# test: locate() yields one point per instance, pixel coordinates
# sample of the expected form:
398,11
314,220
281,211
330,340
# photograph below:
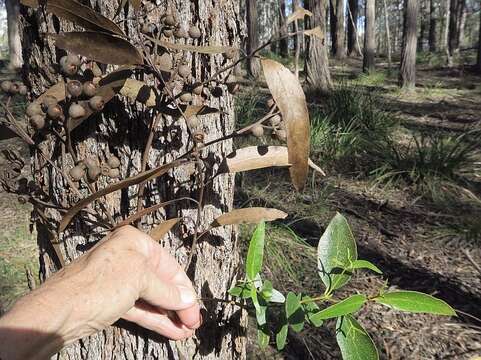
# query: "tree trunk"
253,63
340,30
14,44
333,25
478,65
297,40
407,73
388,37
317,61
447,26
352,36
122,130
461,23
369,37
283,43
432,26
422,30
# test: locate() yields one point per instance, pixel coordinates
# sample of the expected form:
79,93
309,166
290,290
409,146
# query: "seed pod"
275,120
164,62
73,59
89,89
5,86
104,170
199,136
169,20
194,32
197,89
186,97
97,103
93,173
77,172
192,122
22,199
76,111
22,90
230,54
281,134
233,87
168,32
14,88
217,92
270,103
114,173
147,28
34,109
49,100
37,122
184,70
54,111
113,162
74,88
90,162
181,33
257,131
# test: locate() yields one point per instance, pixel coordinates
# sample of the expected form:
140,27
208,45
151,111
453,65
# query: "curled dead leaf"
289,97
298,14
214,49
139,91
317,32
57,91
252,215
159,231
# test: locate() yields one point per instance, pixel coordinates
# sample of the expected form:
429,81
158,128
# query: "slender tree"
284,42
340,30
422,28
317,62
478,65
125,131
388,36
352,35
333,25
14,44
369,37
252,41
407,73
432,26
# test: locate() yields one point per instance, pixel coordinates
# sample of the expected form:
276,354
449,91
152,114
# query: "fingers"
156,320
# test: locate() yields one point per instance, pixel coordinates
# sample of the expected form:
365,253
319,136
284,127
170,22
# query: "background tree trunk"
368,64
297,40
422,21
432,26
317,61
352,36
123,133
253,63
388,36
14,43
333,25
447,26
283,43
407,73
340,30
479,46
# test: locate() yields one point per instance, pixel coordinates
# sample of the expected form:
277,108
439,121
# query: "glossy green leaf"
261,307
266,290
263,337
243,291
311,308
354,342
277,297
344,307
281,337
415,302
364,264
335,252
255,253
294,311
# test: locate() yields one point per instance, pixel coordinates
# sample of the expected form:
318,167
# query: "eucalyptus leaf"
243,291
344,307
277,297
354,342
364,264
263,337
415,302
281,337
335,252
255,253
294,311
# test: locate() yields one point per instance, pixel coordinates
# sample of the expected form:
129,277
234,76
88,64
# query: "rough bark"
317,62
297,40
478,64
432,26
333,25
14,43
456,24
123,131
407,73
352,36
268,21
253,63
447,19
388,36
369,37
284,42
422,28
340,47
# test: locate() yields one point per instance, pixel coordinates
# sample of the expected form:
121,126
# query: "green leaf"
335,252
261,307
364,264
354,342
281,337
277,297
255,252
263,336
266,291
294,311
243,291
415,302
344,307
311,308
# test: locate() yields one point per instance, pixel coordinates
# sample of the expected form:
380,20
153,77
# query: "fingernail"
187,295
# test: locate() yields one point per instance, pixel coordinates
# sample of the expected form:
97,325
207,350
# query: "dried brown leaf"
83,16
298,14
159,231
140,214
289,97
188,110
57,91
140,91
214,49
134,180
30,3
317,32
101,47
252,215
254,157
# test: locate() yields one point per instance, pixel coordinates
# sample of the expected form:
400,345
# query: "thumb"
167,295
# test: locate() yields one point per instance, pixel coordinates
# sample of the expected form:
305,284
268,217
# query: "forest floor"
426,243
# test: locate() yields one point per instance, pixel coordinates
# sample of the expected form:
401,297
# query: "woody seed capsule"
113,162
76,111
89,89
54,111
74,88
194,32
257,131
37,122
77,172
97,103
34,109
184,71
5,85
169,20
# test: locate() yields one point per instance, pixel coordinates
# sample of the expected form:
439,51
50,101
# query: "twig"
471,260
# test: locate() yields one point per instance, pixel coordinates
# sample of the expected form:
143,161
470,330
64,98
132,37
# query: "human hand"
126,275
